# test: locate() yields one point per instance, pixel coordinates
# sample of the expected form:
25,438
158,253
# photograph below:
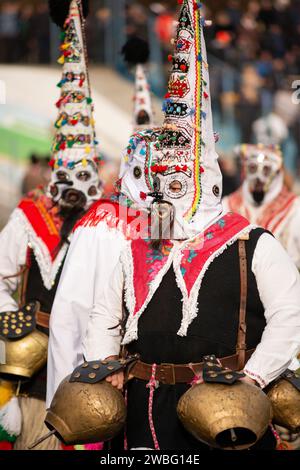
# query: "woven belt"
179,373
42,319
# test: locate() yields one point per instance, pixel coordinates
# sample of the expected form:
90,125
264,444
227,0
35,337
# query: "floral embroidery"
221,223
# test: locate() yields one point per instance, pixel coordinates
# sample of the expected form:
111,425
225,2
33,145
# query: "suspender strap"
241,346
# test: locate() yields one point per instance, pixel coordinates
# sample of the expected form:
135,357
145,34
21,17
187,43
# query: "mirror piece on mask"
137,172
216,190
176,186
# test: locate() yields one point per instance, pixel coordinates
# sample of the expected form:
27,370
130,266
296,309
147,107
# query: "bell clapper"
18,388
42,439
233,435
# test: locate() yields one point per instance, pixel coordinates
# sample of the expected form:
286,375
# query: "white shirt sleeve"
293,235
103,337
91,259
278,284
13,244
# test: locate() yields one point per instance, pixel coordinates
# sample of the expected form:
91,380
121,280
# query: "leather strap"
241,346
178,373
42,319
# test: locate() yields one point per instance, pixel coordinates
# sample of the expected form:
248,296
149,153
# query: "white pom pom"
11,417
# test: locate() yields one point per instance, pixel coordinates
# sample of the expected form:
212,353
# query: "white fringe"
48,268
11,417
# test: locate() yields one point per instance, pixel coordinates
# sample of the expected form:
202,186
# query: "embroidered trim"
190,302
130,299
256,377
48,268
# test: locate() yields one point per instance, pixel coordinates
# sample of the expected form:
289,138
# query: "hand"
248,380
117,379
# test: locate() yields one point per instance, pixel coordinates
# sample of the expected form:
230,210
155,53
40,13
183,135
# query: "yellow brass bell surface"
84,413
225,416
24,357
285,400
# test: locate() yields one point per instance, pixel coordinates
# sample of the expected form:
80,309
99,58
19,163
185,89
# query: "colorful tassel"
6,437
11,418
61,59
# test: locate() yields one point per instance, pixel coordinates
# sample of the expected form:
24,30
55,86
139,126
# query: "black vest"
214,330
35,289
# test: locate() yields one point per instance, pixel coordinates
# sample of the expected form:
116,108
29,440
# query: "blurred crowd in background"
254,49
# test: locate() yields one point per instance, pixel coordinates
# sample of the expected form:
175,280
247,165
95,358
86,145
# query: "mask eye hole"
175,186
267,170
92,191
83,175
62,176
252,168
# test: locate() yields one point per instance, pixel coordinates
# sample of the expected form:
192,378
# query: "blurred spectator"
38,173
164,27
136,21
41,28
249,105
9,31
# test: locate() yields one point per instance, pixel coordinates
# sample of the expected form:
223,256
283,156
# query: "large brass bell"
25,347
225,416
83,413
26,356
285,400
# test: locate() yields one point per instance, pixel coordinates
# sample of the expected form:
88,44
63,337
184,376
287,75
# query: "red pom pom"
183,67
5,445
143,196
205,95
201,169
52,163
167,95
170,57
180,2
74,122
62,146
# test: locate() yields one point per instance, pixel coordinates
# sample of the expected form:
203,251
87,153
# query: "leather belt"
42,319
179,373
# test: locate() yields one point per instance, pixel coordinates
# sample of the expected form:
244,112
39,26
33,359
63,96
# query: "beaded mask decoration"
181,160
75,154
